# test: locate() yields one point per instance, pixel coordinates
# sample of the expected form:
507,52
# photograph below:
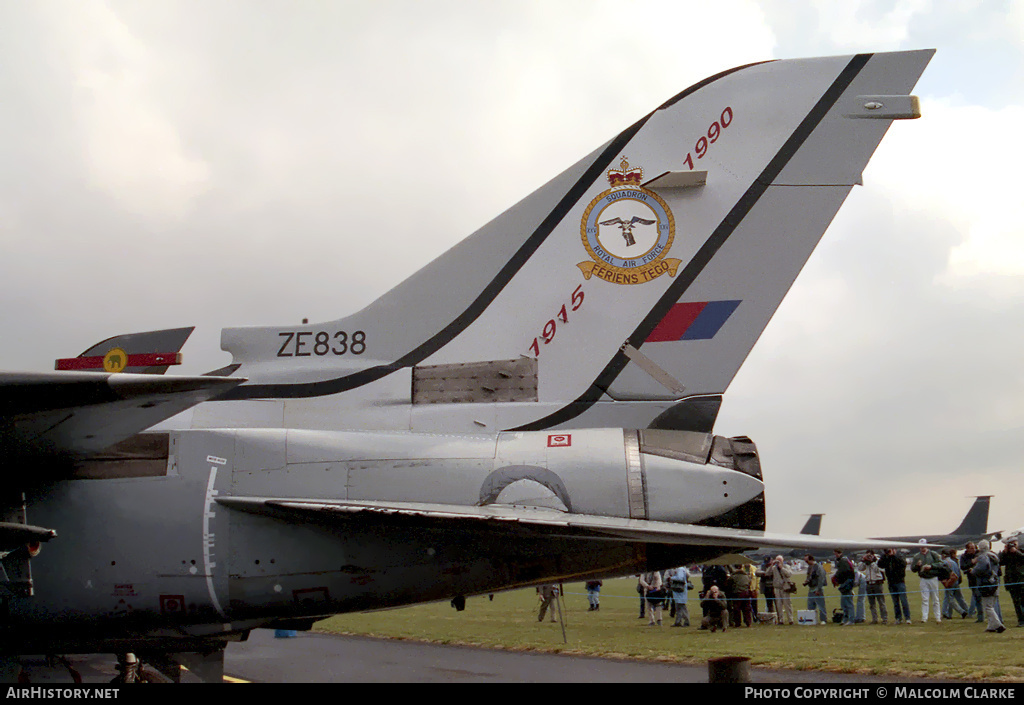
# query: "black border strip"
704,256
489,293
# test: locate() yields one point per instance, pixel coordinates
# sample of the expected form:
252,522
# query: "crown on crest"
625,174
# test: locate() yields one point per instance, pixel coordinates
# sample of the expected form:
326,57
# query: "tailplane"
149,353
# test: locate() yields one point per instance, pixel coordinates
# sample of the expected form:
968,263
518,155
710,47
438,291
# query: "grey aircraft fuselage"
207,561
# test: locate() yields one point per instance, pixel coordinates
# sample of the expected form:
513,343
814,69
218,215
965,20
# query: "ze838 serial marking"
309,343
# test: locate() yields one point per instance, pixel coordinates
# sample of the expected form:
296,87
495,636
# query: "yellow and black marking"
116,360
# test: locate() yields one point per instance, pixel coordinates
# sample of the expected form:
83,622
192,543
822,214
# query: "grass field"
956,648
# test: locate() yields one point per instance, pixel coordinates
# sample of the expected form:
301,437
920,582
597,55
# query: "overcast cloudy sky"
236,163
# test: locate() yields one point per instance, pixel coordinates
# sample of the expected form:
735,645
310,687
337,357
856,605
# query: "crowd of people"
730,595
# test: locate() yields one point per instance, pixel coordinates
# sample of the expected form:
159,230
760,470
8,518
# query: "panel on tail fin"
622,251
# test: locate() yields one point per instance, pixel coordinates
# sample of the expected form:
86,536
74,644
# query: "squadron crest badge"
628,230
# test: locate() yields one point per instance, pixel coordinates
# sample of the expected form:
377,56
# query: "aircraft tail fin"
632,286
976,520
149,353
813,525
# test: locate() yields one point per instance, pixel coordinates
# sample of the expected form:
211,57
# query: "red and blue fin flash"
698,320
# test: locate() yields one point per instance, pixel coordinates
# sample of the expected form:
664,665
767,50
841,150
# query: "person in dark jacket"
815,583
895,568
1012,561
716,614
844,579
712,576
966,563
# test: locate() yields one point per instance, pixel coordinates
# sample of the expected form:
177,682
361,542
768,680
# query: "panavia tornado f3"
535,405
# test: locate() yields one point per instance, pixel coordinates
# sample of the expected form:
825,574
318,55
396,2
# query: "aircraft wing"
1015,535
75,414
550,522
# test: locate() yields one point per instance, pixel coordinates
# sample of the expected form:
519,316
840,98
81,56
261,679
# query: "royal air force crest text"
627,231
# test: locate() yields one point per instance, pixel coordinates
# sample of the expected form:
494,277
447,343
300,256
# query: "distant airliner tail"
813,525
976,521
